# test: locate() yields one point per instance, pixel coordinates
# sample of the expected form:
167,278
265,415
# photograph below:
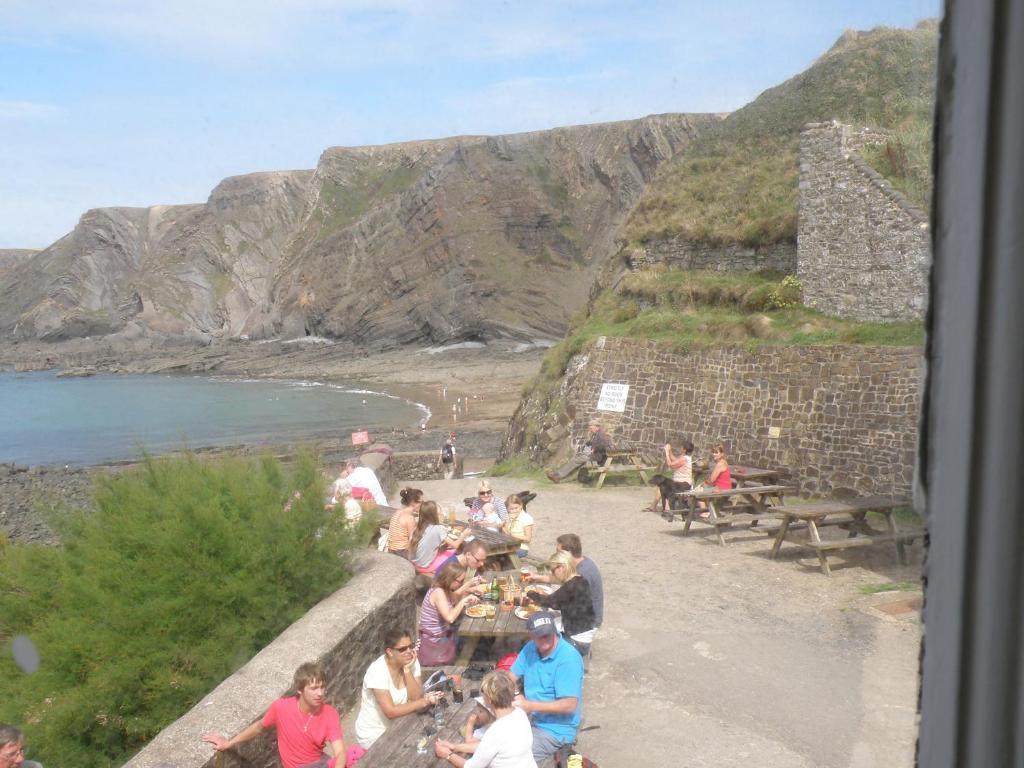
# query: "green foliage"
186,569
517,466
905,160
737,182
787,294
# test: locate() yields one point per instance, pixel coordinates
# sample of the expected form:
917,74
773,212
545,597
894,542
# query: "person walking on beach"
447,459
305,724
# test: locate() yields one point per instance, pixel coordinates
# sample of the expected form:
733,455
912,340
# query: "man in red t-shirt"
305,723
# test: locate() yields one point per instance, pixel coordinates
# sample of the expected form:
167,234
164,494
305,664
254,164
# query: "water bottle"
439,715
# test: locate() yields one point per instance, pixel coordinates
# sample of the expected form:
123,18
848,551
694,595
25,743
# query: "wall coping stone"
244,696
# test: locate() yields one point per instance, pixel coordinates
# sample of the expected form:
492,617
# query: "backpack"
447,454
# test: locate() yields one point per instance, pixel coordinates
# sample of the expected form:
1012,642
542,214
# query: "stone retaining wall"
344,631
421,465
679,253
864,250
844,419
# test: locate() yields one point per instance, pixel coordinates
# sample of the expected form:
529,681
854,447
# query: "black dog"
526,497
668,489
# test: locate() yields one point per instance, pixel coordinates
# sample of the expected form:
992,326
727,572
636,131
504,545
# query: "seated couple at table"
527,728
573,598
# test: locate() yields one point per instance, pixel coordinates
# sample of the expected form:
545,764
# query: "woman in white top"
682,473
507,742
519,524
391,688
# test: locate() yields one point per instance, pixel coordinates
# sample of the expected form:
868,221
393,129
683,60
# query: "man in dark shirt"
598,444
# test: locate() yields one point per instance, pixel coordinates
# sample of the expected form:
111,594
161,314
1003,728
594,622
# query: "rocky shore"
482,382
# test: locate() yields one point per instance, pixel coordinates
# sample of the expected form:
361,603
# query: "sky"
139,103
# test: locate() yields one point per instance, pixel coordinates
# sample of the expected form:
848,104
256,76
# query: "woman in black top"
573,599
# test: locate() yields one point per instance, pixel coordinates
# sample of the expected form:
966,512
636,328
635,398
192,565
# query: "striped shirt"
431,623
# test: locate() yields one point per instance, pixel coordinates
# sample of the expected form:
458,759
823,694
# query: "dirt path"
717,656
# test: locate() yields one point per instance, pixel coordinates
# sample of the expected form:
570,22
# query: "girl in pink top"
720,478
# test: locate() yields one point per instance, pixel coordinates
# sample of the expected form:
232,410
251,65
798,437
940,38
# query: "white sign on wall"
613,397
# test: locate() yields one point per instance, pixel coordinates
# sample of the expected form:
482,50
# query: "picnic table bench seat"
747,503
850,515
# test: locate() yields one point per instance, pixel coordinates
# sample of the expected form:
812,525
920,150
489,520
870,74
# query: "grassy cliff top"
691,309
738,181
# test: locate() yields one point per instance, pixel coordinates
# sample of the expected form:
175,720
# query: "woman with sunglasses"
441,608
485,495
392,688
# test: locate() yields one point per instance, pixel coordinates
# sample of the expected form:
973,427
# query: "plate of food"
477,611
526,612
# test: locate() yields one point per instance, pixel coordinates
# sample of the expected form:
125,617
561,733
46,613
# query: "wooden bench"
749,503
623,462
850,515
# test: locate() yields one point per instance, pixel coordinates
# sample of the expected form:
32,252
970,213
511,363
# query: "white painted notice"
613,397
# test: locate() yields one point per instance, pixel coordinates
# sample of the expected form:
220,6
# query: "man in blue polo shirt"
552,672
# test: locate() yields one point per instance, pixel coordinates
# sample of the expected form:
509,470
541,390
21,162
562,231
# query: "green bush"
186,569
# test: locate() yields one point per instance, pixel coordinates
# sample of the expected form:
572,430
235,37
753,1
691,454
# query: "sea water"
45,419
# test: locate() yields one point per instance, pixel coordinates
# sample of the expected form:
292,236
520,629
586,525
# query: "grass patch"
893,586
737,182
517,466
905,160
185,569
906,517
342,204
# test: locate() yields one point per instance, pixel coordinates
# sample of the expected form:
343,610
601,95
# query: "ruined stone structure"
842,418
343,631
680,253
863,250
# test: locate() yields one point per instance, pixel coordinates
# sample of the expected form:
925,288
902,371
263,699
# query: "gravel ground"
718,656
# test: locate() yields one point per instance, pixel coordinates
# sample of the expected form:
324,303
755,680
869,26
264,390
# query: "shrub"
789,293
186,569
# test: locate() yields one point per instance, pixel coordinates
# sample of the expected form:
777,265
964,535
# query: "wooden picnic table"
744,504
850,515
499,544
505,624
623,462
397,746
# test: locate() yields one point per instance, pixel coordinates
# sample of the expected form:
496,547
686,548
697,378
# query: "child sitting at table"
476,725
486,516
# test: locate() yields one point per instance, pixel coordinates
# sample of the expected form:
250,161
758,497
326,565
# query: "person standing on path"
305,724
446,459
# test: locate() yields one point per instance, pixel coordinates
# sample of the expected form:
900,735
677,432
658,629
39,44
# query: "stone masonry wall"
863,250
679,253
843,418
422,465
344,631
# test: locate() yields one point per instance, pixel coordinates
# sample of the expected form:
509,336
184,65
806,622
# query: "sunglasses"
404,648
486,493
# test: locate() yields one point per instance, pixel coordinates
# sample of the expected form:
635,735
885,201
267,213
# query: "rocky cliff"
434,241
